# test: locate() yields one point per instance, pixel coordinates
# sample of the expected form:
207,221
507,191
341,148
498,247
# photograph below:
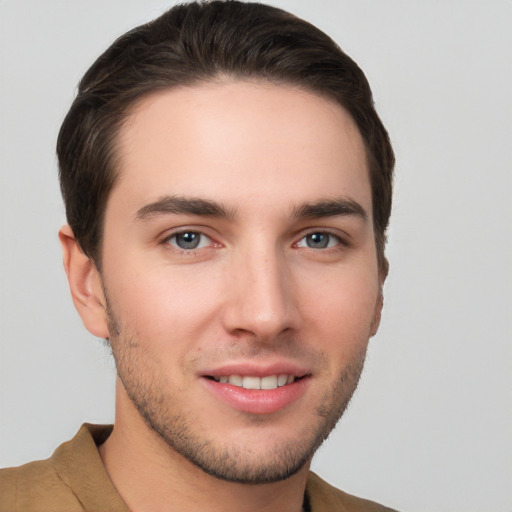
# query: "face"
240,272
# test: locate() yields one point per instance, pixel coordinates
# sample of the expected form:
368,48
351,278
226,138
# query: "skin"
260,290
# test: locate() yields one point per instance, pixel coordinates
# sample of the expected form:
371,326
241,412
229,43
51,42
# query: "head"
193,44
228,186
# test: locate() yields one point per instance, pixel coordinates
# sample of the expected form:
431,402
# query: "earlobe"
85,284
380,300
377,314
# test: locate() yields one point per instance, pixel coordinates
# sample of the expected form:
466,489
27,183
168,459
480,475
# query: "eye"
189,240
319,240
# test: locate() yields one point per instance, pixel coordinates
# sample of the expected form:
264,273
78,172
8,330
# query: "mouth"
267,382
258,388
258,394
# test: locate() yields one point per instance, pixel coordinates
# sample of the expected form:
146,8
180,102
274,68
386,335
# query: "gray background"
430,426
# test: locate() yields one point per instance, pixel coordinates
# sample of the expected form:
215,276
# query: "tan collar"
80,467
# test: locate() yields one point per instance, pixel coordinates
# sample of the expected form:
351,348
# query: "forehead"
240,141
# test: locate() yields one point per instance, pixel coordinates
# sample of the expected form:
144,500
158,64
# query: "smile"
253,382
257,394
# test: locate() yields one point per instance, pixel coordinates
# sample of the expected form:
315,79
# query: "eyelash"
331,237
191,250
339,242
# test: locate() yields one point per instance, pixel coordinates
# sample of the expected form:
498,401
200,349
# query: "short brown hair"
193,43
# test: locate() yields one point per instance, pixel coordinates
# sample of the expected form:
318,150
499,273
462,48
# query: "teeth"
236,380
282,380
269,382
250,382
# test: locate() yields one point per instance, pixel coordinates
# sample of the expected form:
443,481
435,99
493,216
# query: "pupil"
188,240
318,240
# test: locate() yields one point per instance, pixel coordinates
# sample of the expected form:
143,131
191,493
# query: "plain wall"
430,426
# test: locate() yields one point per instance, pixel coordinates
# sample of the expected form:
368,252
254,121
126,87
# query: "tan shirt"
74,479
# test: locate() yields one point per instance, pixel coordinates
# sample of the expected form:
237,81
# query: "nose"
262,299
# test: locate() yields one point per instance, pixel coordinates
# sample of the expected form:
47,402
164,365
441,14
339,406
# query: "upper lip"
256,370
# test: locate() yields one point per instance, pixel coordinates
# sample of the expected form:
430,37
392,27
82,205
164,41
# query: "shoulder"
73,479
35,486
324,497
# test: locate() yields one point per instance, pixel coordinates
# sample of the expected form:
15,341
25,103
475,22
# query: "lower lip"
257,401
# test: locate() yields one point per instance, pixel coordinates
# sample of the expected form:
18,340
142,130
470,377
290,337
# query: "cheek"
342,310
161,304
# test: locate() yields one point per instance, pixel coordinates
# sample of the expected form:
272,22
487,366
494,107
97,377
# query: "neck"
151,476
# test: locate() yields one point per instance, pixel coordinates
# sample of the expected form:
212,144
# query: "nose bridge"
262,302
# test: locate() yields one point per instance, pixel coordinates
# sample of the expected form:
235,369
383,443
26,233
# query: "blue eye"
189,240
319,240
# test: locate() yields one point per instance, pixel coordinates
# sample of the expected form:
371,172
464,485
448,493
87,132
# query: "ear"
383,273
85,285
377,314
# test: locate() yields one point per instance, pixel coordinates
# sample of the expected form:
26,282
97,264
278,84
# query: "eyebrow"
180,205
330,208
183,206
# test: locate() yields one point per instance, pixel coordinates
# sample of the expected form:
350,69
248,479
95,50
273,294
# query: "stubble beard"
152,399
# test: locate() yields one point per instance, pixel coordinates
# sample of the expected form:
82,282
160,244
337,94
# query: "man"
227,185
